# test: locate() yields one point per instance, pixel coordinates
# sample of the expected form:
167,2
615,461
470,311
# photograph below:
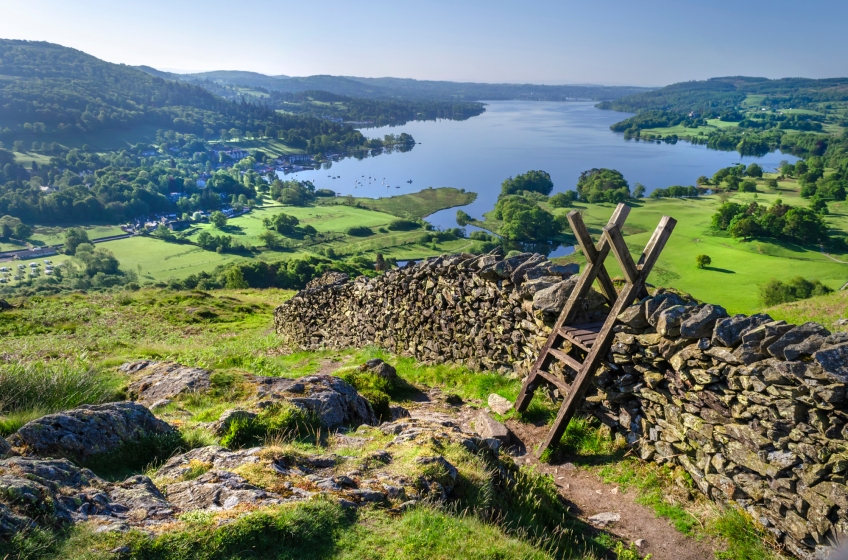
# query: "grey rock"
604,519
55,492
489,428
499,404
164,380
5,448
552,300
12,523
834,360
334,401
366,495
219,490
530,288
215,457
380,369
804,348
331,278
794,336
669,319
701,323
560,271
441,470
88,430
519,273
728,331
634,316
660,302
221,426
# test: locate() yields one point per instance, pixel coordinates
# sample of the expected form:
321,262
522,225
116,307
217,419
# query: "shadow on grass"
722,270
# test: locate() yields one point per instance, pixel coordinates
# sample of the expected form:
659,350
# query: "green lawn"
159,260
415,205
53,235
738,267
271,146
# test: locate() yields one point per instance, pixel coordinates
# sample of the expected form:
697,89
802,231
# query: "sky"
612,42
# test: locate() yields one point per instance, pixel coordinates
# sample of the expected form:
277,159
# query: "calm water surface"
512,137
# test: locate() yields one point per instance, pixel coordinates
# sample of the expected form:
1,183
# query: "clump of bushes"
563,199
403,225
775,292
282,419
373,387
360,231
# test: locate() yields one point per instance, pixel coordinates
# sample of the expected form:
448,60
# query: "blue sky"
616,42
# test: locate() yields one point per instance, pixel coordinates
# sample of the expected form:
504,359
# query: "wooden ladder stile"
594,338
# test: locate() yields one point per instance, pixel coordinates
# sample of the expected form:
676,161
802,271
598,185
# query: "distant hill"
402,88
48,90
717,94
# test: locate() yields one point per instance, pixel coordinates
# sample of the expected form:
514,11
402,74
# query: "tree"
563,199
97,260
234,279
463,219
804,225
639,190
524,220
218,219
754,170
74,237
533,181
744,227
703,261
602,185
748,186
270,239
282,223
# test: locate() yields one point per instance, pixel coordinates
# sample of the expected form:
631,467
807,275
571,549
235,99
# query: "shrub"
360,231
463,219
775,292
602,185
282,419
374,388
403,225
563,199
533,181
703,261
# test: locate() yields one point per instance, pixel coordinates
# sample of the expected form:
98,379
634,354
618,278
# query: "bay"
512,137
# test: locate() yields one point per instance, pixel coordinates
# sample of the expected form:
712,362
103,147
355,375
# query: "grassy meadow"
738,267
62,351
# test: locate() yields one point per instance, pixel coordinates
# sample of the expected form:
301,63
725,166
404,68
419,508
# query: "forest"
48,92
710,98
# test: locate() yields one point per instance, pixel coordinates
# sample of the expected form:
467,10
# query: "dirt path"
588,495
585,493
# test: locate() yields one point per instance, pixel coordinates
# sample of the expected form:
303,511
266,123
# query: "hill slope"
716,94
47,89
401,88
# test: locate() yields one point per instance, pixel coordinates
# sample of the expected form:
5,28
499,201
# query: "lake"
512,137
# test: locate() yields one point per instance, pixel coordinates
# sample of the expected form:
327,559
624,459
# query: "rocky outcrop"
55,493
88,430
334,401
5,448
483,311
754,410
158,381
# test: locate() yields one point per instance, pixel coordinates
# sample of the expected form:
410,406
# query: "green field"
413,205
271,146
48,235
738,268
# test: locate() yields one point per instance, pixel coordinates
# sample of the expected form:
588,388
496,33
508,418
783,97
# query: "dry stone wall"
753,409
